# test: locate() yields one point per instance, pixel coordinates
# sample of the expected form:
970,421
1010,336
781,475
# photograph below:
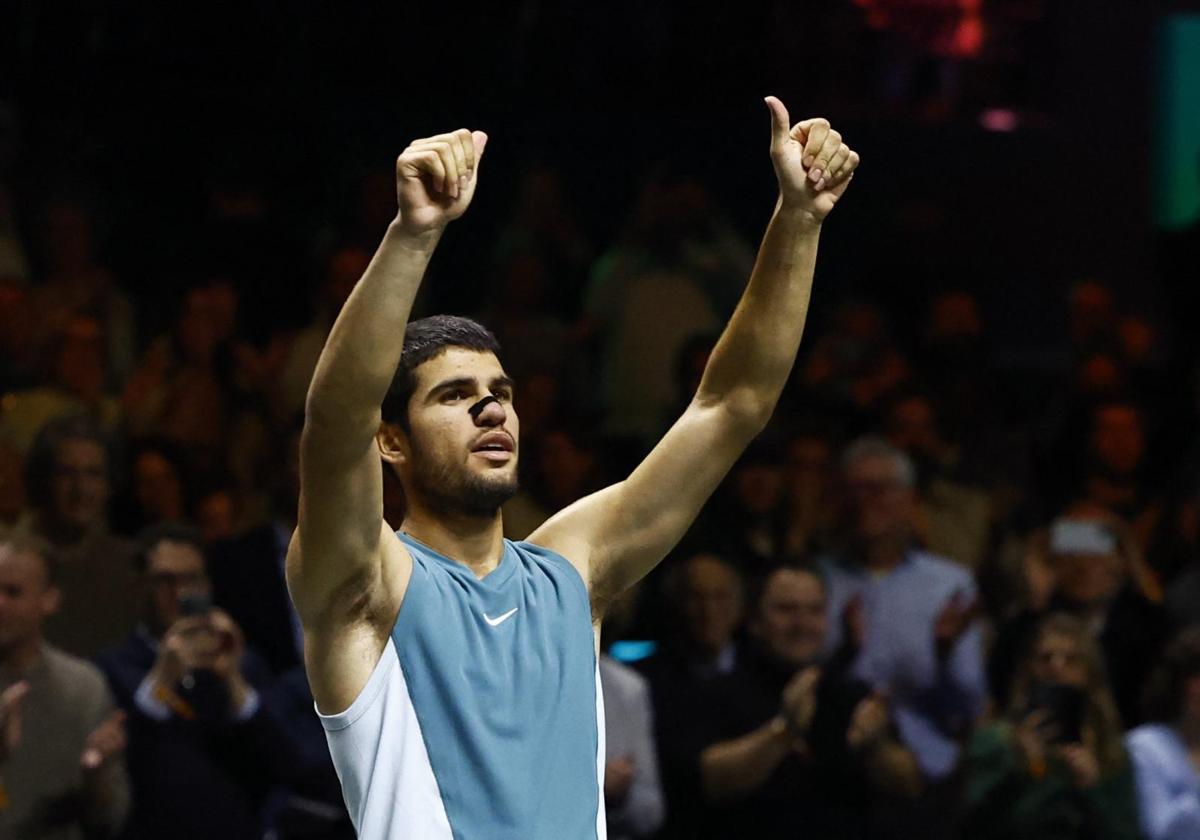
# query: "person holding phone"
1054,767
199,732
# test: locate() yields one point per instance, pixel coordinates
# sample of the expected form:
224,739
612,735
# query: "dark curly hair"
425,339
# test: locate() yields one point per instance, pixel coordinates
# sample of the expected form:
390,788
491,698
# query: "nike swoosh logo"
500,619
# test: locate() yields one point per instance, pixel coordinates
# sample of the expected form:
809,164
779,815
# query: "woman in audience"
1166,751
1054,768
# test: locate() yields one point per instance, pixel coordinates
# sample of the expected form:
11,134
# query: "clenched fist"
812,163
436,178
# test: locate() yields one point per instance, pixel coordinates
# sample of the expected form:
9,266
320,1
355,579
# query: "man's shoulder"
78,676
936,566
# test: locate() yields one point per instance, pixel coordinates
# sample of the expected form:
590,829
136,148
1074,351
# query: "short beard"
459,491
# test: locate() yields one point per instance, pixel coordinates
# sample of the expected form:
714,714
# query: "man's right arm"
344,568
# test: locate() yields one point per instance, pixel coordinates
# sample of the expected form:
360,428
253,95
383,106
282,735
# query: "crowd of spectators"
923,604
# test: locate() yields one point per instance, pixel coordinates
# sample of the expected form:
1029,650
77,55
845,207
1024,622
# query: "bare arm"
336,568
617,535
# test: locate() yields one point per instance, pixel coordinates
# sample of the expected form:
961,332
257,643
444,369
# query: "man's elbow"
744,411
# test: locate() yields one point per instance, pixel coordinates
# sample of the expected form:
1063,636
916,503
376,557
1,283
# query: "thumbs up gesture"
812,164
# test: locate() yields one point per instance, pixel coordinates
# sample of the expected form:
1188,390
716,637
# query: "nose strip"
478,408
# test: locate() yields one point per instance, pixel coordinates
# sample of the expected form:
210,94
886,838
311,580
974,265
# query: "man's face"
461,462
1058,659
1089,579
1118,439
712,603
26,597
79,486
879,504
174,570
791,618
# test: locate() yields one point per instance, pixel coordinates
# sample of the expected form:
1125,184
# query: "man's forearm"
752,361
360,356
733,769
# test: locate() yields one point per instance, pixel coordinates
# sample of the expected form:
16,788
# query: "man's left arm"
614,537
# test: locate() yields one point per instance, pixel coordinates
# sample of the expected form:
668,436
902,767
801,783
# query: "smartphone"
194,604
1064,705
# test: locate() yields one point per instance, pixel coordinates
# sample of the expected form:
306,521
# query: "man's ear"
393,443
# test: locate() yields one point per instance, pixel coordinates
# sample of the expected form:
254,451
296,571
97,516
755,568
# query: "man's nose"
490,412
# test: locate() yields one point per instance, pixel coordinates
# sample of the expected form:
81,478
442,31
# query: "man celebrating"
455,671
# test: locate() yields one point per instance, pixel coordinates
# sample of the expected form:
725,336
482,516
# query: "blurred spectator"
159,486
633,795
544,221
345,266
676,270
797,748
18,351
747,523
953,519
810,507
1166,752
62,772
76,386
1117,475
247,570
77,283
1088,565
311,807
199,732
519,314
68,477
566,467
912,613
180,390
704,596
1055,766
1183,593
853,365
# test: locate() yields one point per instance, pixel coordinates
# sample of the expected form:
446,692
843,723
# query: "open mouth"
494,446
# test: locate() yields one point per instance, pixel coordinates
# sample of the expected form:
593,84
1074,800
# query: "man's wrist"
423,240
797,213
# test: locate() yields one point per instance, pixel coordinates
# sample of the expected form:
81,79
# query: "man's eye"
502,394
452,396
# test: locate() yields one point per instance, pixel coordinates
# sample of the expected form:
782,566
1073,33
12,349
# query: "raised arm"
335,569
617,535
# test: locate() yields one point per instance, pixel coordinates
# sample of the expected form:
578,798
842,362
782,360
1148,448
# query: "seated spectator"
76,384
703,597
913,610
633,796
68,479
1086,564
78,283
747,523
159,487
954,517
810,507
1054,767
799,749
311,807
62,772
199,732
1166,752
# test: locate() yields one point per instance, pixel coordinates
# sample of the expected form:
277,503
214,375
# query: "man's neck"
476,542
58,533
18,661
883,554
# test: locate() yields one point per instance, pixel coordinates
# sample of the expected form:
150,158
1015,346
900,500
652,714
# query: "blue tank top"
499,678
